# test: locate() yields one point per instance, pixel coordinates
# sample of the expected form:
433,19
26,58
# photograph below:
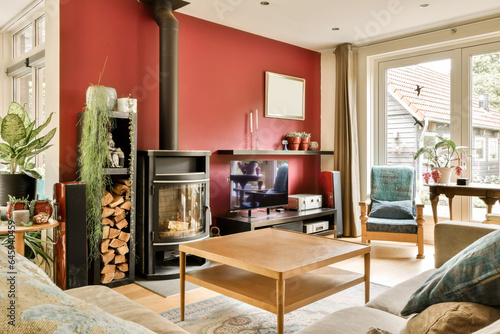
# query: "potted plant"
442,158
294,139
20,146
16,204
305,140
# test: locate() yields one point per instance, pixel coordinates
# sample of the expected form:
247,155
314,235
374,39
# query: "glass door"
483,91
416,96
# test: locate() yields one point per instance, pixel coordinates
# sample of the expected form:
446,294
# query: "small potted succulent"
294,140
305,140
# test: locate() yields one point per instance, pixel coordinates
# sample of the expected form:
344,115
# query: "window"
492,149
40,30
479,145
23,41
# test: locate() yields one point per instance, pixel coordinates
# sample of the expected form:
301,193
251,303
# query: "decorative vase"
314,146
445,174
99,95
42,206
304,143
294,143
251,167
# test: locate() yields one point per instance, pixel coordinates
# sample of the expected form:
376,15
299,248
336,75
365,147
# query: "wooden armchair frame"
367,236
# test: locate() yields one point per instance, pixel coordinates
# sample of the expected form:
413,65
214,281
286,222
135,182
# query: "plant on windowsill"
441,159
19,148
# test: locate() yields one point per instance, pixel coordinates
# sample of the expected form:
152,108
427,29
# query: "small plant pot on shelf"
294,143
304,144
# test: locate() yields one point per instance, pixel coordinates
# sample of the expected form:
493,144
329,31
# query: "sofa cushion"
470,276
452,318
392,209
394,299
121,306
355,320
494,328
39,306
392,225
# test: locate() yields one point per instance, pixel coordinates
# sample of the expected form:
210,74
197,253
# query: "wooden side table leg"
280,303
489,201
19,243
182,276
450,205
434,203
367,277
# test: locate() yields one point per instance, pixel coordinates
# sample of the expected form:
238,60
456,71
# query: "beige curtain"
346,158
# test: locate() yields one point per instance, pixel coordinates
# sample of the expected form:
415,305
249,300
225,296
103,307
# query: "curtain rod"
452,27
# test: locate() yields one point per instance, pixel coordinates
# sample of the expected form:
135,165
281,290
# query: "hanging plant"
94,151
131,171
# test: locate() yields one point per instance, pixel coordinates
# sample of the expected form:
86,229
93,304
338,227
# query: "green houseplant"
443,157
294,139
18,150
305,140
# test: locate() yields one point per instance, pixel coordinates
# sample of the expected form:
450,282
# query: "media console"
289,220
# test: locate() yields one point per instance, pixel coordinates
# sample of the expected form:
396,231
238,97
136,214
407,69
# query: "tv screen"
258,184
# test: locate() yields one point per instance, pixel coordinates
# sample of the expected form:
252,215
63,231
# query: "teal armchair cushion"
393,210
473,275
392,225
393,183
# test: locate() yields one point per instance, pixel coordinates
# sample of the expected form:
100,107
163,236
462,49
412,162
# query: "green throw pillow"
392,209
473,275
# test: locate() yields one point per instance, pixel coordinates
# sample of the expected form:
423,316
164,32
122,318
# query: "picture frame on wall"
285,96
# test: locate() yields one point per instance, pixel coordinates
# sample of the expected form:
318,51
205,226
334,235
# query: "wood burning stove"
172,208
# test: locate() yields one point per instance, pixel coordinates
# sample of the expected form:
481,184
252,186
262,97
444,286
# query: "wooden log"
117,200
107,221
119,274
119,217
105,232
113,233
108,269
121,189
119,259
122,250
126,182
124,236
121,224
104,245
122,267
107,198
126,205
118,211
106,212
115,243
108,256
106,278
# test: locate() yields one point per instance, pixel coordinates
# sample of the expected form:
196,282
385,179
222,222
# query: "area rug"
224,315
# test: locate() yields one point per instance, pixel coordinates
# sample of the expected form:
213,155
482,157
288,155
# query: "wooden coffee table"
276,270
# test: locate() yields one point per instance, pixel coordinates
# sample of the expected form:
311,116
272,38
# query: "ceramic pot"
314,146
304,144
42,206
294,143
15,207
99,95
445,174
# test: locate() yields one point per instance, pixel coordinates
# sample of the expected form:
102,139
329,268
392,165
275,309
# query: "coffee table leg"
182,276
280,303
367,277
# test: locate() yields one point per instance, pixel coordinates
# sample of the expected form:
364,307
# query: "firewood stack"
114,246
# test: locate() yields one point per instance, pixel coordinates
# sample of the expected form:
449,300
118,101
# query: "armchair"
392,213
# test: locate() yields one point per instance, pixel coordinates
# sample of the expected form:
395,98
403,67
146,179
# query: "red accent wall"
221,79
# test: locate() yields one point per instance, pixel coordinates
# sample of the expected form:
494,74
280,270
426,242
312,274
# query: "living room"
222,79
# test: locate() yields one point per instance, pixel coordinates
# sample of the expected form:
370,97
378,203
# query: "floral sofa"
461,296
31,303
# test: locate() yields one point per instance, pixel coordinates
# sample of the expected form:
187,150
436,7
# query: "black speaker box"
70,204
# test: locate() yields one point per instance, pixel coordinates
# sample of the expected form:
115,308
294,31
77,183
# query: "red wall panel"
221,79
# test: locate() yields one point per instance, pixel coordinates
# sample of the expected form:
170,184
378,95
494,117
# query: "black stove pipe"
169,72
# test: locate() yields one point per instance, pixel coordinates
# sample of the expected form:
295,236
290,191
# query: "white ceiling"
309,23
11,8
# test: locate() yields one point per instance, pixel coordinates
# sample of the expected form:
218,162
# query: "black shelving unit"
121,136
272,152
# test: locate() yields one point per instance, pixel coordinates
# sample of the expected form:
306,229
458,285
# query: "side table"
19,232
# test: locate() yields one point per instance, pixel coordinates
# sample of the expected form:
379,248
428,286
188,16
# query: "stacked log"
114,246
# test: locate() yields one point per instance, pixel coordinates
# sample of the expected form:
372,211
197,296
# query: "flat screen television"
257,184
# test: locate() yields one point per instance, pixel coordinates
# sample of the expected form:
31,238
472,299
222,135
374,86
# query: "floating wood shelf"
272,152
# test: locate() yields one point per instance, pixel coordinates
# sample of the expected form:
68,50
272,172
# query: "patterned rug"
224,315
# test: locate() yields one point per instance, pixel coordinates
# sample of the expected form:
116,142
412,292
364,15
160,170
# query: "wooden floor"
391,263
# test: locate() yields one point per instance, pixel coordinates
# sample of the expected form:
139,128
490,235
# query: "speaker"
70,204
330,189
